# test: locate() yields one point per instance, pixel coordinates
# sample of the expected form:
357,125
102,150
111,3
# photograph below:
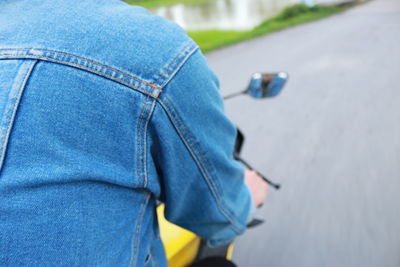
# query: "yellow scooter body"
181,246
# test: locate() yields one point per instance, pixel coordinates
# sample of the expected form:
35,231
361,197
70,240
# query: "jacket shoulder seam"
173,66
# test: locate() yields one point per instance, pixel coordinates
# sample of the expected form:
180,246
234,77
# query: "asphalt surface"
332,138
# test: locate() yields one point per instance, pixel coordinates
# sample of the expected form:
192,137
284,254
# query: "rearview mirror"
264,85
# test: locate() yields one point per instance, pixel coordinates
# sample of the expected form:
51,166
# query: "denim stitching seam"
14,110
139,135
80,67
145,169
168,71
179,66
142,160
141,164
166,67
84,68
81,58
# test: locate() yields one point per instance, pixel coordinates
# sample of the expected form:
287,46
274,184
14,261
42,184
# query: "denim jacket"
106,109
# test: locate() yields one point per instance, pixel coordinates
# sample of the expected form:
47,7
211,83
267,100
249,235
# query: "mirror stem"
233,95
274,185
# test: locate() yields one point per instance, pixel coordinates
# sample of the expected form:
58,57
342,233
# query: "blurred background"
332,138
224,14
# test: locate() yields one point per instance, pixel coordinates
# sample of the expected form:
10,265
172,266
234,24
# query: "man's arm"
202,185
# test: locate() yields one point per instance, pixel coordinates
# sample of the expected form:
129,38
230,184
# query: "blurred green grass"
293,15
158,3
209,40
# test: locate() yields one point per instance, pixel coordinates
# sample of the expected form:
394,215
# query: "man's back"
95,127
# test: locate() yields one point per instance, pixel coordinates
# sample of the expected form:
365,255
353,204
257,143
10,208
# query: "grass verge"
297,14
158,3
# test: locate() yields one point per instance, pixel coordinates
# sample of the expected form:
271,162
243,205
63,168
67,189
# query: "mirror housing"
263,85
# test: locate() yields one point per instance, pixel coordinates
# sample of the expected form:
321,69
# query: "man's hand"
258,187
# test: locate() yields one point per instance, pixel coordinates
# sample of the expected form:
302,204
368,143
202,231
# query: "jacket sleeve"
192,147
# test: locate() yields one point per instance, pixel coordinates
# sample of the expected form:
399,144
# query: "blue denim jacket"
104,110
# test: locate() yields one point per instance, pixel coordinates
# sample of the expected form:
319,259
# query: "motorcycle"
184,248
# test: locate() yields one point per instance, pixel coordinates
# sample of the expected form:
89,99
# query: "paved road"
332,138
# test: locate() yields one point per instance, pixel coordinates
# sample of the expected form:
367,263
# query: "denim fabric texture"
104,110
